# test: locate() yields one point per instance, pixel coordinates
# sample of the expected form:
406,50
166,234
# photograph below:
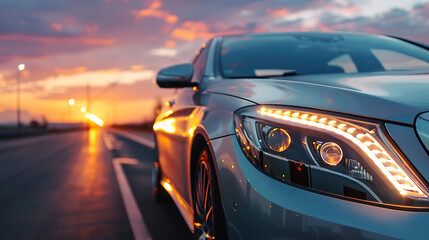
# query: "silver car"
298,136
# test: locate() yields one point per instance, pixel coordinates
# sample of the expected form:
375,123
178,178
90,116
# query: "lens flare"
94,119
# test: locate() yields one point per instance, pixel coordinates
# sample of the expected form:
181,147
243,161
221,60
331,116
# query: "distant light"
96,120
71,101
21,67
83,109
87,115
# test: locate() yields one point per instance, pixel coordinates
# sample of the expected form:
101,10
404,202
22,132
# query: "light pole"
88,102
71,103
21,67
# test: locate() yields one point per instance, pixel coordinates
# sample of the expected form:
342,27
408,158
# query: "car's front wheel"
209,220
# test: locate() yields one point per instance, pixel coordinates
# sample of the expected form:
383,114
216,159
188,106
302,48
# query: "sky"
116,47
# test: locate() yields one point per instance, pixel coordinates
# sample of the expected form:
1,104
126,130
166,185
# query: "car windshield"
316,53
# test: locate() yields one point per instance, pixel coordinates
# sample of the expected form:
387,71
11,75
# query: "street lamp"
69,113
21,67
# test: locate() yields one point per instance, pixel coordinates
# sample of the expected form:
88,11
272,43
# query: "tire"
209,220
158,190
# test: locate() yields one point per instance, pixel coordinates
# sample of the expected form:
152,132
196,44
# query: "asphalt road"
65,186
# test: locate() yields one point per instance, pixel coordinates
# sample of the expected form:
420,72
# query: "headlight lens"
278,139
329,153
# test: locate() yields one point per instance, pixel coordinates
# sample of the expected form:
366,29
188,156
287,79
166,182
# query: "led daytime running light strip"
361,138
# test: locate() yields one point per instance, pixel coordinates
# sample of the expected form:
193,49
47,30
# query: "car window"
199,63
311,53
397,61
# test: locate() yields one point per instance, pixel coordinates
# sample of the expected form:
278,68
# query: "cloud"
73,71
91,28
400,18
164,52
170,44
399,22
278,12
58,40
56,26
154,11
79,78
136,68
139,90
421,11
190,31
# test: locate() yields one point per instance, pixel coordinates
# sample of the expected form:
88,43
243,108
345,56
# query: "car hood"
397,97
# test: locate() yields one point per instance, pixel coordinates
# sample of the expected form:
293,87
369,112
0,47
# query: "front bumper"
259,207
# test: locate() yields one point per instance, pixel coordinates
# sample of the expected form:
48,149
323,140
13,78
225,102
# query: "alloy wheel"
204,199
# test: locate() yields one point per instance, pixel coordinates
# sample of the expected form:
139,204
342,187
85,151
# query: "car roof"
312,33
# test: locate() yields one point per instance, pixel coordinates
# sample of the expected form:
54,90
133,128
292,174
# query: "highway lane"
64,186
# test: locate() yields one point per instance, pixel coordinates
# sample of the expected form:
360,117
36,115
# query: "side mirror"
176,76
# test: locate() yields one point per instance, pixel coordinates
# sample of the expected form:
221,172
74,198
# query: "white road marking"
111,142
136,220
133,137
108,141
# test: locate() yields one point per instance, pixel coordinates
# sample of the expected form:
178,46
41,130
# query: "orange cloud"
53,40
171,18
190,31
56,26
108,70
170,44
136,68
154,11
155,5
99,41
72,71
278,12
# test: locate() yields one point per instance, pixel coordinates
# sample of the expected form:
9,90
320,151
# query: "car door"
174,147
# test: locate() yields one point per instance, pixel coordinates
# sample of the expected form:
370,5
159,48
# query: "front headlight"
329,154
